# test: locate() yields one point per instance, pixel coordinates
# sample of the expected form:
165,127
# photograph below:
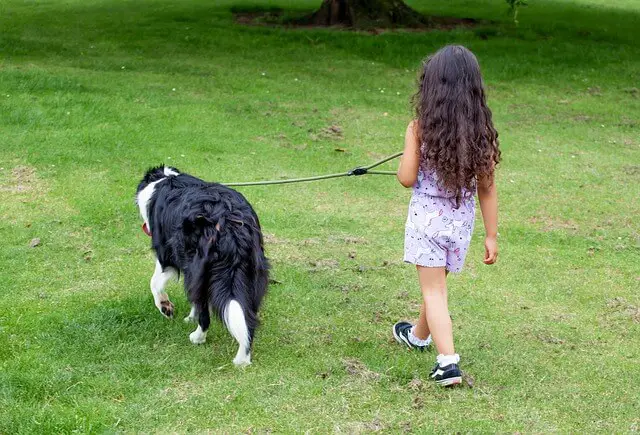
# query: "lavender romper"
437,234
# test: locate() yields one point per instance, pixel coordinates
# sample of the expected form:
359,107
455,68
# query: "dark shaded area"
365,14
271,16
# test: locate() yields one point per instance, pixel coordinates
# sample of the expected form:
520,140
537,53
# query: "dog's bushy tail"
229,272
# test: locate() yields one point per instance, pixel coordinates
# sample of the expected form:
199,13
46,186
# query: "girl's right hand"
490,250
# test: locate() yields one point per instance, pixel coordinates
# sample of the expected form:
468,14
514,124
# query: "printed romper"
437,234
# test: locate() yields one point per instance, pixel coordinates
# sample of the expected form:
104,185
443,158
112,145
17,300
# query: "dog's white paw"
198,336
242,361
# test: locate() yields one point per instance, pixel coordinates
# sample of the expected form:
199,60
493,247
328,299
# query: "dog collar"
146,229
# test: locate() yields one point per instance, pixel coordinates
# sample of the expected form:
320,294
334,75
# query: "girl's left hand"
490,250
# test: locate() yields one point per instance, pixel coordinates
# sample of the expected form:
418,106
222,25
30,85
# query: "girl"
451,149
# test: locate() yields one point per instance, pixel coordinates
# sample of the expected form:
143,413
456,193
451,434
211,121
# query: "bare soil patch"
275,17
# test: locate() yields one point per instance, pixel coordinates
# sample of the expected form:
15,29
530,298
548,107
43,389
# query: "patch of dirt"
346,289
323,375
633,170
563,317
310,242
271,239
468,379
595,90
385,264
348,240
375,426
23,179
634,92
331,132
620,305
627,122
377,317
355,367
406,427
404,294
417,402
275,17
550,339
415,384
269,17
324,264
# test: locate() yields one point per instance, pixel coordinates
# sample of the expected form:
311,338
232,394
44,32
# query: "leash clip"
358,171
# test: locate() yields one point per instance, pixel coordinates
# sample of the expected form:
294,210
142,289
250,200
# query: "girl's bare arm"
488,196
410,160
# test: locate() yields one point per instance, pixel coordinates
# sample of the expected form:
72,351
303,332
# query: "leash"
360,170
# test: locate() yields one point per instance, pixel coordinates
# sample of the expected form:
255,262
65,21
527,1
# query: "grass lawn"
94,92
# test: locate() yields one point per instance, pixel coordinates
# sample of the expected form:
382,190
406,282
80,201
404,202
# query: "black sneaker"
446,376
401,334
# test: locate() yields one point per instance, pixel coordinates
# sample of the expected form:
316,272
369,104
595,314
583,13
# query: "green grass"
87,102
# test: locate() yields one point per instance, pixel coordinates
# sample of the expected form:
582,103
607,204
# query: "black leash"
360,170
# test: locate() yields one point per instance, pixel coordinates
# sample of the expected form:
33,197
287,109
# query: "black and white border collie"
212,235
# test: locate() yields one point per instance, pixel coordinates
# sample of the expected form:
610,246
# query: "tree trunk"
367,14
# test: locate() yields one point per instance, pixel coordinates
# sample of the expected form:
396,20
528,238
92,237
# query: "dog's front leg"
158,283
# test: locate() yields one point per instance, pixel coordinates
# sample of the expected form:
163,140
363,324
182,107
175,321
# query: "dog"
211,235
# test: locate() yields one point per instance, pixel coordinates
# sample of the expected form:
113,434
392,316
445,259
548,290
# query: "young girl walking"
450,153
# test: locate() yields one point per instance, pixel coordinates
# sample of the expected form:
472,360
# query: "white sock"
445,360
416,341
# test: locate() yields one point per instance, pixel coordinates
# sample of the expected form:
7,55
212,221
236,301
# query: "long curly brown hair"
454,124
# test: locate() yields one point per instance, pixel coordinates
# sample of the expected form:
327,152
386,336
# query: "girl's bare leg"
434,292
421,330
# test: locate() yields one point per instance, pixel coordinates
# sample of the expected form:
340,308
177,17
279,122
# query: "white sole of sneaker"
450,381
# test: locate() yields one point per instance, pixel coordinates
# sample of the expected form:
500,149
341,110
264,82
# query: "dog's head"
155,174
147,187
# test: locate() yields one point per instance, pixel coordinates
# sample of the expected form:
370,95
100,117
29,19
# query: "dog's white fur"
234,319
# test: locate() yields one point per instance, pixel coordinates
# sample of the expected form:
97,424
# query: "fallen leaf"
34,242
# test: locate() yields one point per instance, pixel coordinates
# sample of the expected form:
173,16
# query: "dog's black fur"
212,235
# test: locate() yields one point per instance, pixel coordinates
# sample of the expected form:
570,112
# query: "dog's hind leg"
193,315
236,323
199,336
158,283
